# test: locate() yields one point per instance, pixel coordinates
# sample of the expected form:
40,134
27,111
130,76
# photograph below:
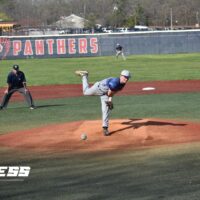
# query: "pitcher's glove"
110,104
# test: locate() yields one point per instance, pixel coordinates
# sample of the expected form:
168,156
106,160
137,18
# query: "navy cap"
16,67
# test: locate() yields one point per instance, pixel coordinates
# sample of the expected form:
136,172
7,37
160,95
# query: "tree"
91,22
106,12
140,18
118,13
4,17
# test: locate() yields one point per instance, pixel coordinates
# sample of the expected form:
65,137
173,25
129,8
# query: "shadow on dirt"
135,125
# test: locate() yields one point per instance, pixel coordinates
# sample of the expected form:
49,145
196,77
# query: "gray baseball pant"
96,90
26,94
120,53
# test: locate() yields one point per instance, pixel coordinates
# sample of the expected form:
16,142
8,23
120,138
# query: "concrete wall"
160,42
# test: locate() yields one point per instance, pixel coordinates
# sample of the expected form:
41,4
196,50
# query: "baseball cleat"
81,73
105,131
32,107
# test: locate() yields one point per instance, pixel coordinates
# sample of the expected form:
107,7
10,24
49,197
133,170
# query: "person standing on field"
16,81
106,89
119,51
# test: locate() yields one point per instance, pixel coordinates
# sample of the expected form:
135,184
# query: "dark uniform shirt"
119,48
16,80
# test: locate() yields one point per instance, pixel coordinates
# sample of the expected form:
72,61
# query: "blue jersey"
114,84
111,83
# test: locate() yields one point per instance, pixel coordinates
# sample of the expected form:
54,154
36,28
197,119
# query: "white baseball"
83,136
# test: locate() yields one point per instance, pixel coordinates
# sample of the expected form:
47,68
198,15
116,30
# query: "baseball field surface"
153,151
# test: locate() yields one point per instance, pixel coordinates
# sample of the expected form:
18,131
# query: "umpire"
16,81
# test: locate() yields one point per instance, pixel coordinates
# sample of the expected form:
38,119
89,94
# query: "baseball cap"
16,67
126,73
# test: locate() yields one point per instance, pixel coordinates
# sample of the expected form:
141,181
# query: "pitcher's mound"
125,133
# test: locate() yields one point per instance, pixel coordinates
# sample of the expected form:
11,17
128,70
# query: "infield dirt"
125,134
75,90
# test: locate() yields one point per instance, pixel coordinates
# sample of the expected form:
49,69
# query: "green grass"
149,174
143,68
177,106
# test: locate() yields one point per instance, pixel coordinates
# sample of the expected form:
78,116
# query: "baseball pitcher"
106,89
